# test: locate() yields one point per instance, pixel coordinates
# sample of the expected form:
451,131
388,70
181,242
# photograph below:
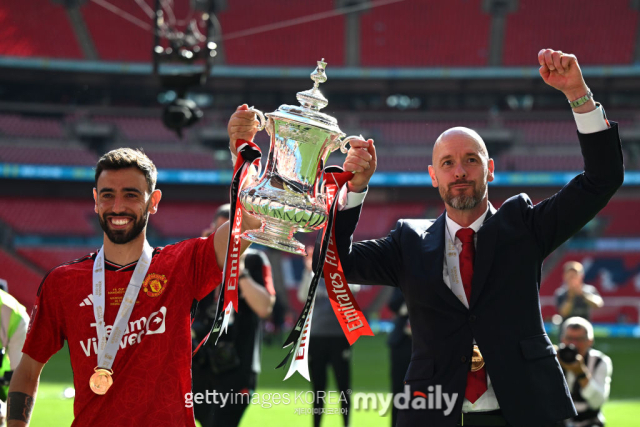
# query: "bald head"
461,170
456,134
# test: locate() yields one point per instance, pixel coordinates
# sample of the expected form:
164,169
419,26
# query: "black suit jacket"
504,315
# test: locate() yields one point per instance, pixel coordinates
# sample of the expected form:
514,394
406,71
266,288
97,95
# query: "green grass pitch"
370,373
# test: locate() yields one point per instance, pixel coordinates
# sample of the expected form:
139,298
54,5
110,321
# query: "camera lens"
567,353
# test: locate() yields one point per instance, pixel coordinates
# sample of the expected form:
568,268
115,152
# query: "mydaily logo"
434,399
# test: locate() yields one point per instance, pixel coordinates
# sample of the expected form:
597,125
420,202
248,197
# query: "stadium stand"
540,162
615,274
415,132
53,152
378,219
30,127
282,45
617,21
23,280
115,38
183,220
141,128
621,218
47,258
451,33
48,216
36,28
172,158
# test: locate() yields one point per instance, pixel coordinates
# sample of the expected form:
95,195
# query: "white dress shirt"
488,401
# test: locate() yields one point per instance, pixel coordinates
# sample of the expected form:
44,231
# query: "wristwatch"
580,376
581,101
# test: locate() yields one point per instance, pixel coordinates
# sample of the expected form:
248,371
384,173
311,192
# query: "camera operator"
13,331
588,372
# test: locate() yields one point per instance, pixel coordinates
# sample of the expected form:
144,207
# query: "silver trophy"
289,196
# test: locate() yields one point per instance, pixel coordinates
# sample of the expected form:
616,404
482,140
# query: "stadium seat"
37,28
47,258
452,33
378,219
614,21
50,217
53,153
23,280
288,39
16,125
621,218
183,219
615,274
147,129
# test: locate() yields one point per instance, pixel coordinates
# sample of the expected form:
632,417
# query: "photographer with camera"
574,297
588,372
13,331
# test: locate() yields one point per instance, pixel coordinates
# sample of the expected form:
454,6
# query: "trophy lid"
312,101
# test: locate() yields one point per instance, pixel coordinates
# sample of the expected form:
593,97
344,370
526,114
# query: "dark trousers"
215,415
334,352
242,389
400,358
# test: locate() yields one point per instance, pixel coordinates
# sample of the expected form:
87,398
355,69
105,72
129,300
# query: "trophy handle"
344,142
261,118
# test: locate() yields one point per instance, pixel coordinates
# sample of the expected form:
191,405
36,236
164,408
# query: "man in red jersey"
125,311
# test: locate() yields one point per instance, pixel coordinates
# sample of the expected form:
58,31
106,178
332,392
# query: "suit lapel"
485,250
433,256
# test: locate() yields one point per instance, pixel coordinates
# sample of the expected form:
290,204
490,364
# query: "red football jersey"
152,369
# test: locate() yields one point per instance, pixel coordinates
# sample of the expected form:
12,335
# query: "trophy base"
276,236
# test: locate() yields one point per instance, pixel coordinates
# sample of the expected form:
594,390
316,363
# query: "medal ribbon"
108,347
248,154
347,311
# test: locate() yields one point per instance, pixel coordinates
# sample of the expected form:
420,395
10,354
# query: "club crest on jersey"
154,284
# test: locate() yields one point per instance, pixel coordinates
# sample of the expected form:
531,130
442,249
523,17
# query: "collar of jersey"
112,266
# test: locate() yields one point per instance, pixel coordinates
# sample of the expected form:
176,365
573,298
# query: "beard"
463,201
120,237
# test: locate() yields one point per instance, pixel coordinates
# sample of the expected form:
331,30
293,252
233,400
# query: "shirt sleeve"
591,122
349,200
16,342
45,333
597,389
259,267
204,271
591,290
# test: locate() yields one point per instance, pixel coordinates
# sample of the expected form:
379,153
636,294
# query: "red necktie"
476,381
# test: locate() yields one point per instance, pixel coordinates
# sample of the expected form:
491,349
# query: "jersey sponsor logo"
136,330
154,284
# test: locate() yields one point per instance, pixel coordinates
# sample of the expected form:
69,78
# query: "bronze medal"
477,361
101,380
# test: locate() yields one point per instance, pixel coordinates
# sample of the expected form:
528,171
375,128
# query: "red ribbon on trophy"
347,311
346,308
248,154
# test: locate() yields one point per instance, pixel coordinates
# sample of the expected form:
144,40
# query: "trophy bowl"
289,196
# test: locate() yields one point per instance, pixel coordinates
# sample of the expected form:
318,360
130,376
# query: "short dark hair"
123,158
223,211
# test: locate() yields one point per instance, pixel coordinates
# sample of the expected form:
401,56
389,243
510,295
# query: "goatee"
120,237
